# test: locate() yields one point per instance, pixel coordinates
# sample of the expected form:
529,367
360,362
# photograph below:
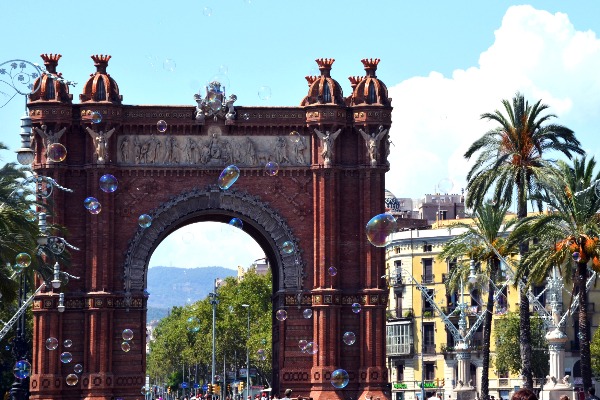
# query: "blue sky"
445,62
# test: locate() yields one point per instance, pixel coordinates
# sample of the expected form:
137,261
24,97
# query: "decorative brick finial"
310,79
370,65
325,65
101,62
50,61
354,80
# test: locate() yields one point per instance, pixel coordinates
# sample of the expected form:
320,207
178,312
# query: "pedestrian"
524,394
592,394
288,393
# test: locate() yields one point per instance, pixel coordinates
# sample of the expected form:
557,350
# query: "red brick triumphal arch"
330,183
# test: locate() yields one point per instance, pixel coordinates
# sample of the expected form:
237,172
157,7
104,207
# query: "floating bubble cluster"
66,357
125,346
380,228
52,343
96,117
339,378
307,313
332,271
57,152
91,203
207,11
311,348
349,338
78,368
192,324
161,126
272,168
264,93
236,222
246,116
96,210
71,380
228,177
356,307
127,334
287,247
67,343
30,215
281,315
144,221
108,183
22,369
294,136
23,260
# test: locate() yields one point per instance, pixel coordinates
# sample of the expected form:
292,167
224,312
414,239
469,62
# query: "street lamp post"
247,306
214,302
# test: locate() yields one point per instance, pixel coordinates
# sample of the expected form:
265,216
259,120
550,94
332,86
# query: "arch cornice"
213,200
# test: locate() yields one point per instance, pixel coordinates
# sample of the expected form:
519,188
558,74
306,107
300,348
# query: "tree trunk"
524,321
487,332
584,338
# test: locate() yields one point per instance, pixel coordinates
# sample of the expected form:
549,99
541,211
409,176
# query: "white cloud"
436,118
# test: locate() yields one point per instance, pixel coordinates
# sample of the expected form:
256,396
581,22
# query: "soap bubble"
161,126
576,256
78,368
302,344
57,152
66,357
144,390
272,168
108,183
223,69
246,116
228,177
67,343
356,307
207,11
261,354
193,324
349,338
91,203
71,379
169,65
445,185
307,313
264,93
380,228
236,222
287,247
127,334
281,315
294,136
339,378
215,104
96,210
311,348
125,346
145,221
52,343
23,260
30,215
223,79
332,271
22,369
96,117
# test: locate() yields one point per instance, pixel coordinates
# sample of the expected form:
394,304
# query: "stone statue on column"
372,143
327,141
49,137
100,143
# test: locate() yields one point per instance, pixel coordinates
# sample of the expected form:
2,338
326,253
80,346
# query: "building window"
429,338
538,292
427,307
400,372
50,93
429,371
100,90
427,270
399,339
443,215
326,93
371,98
427,248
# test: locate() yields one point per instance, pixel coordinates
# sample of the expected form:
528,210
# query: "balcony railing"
400,313
428,278
429,349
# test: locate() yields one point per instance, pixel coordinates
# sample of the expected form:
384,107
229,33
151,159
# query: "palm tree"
511,157
485,231
566,237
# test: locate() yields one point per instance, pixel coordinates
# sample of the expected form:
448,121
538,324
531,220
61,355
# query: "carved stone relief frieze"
212,150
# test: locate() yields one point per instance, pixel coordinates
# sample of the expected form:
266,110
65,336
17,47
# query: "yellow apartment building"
419,344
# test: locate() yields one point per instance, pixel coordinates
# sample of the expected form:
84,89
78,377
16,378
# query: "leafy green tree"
474,243
511,156
508,357
595,353
567,237
185,336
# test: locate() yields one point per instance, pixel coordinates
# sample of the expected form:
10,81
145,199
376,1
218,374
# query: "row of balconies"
499,383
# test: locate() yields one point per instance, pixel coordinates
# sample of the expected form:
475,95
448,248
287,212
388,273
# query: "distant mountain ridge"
171,286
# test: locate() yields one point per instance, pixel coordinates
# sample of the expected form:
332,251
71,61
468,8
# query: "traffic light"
169,390
210,388
241,387
228,388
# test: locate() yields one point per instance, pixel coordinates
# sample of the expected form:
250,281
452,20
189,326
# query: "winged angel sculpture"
327,139
372,143
100,143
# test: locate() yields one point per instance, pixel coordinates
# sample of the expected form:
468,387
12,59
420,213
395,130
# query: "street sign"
196,385
205,387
